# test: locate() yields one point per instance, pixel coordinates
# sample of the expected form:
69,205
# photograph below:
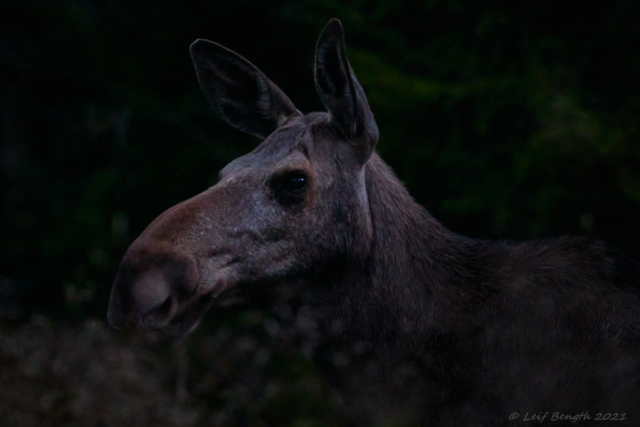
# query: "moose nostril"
160,316
151,289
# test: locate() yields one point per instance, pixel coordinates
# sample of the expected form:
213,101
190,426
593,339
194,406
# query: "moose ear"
340,91
240,93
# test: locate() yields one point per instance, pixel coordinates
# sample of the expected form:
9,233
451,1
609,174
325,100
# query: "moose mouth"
185,320
155,299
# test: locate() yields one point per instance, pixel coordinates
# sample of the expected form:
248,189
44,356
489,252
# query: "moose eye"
296,184
290,187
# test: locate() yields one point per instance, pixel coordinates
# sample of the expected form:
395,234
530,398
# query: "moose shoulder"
415,323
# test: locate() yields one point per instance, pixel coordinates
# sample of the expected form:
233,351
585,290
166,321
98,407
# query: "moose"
414,324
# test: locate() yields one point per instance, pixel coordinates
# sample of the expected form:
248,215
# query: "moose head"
292,207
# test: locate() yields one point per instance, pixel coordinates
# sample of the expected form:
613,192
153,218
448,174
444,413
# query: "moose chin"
432,328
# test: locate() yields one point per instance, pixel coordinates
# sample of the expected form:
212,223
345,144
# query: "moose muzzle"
156,288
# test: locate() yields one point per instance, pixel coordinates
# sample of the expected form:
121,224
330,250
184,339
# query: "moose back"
414,323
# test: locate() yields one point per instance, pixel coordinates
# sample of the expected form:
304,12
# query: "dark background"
505,120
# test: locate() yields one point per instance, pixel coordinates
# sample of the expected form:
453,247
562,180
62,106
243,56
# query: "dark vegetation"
515,121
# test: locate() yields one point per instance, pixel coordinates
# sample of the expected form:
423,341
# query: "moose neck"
394,291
